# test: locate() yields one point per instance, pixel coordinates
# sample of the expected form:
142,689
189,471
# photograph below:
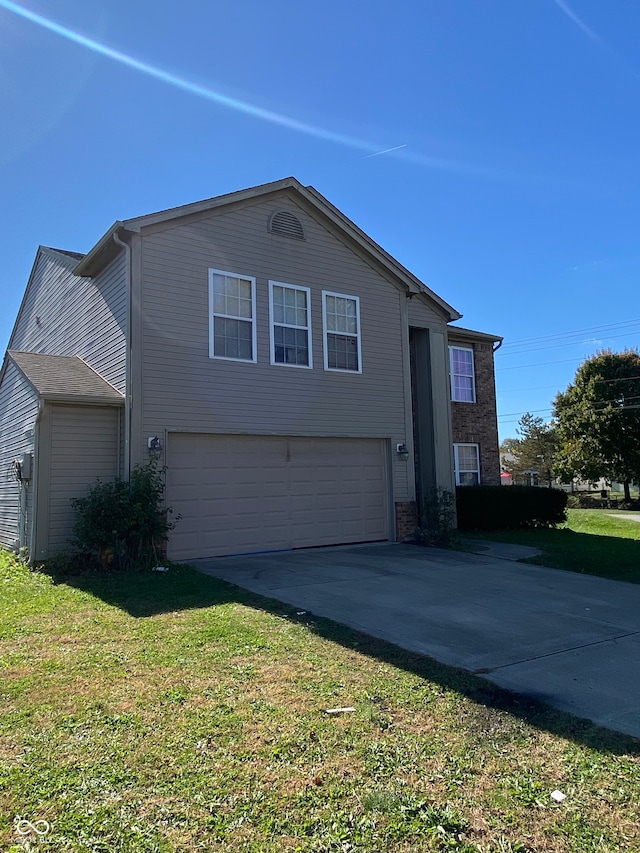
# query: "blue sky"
513,189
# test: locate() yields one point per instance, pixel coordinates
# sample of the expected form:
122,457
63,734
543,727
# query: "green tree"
534,450
598,420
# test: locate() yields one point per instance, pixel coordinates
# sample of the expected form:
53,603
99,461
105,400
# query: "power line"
527,412
540,364
540,338
598,407
546,387
570,344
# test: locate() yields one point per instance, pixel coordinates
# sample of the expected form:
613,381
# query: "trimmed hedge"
509,507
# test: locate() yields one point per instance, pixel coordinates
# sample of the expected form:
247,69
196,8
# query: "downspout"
127,380
22,524
497,346
34,480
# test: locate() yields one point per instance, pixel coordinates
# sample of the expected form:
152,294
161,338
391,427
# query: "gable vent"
286,225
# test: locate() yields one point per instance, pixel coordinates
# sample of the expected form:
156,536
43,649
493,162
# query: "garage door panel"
239,494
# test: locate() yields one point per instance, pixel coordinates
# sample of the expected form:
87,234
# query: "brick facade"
406,519
476,423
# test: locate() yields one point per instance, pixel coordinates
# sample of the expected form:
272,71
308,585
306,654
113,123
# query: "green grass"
593,541
174,712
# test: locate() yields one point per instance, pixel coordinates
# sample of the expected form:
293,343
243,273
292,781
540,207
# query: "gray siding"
83,447
186,390
423,313
18,412
64,314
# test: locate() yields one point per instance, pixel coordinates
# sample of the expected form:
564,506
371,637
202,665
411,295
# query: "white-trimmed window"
341,328
467,464
463,384
290,312
232,316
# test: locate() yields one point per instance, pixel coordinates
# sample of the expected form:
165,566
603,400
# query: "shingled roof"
64,378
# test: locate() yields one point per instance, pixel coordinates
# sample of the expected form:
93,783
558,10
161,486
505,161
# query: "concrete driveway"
570,640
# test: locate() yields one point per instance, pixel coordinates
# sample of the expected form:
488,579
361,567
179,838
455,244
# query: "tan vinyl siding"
84,447
423,313
185,390
64,314
18,412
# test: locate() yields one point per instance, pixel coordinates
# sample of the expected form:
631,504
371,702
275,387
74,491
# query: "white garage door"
240,494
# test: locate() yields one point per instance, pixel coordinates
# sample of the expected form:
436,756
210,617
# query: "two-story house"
294,379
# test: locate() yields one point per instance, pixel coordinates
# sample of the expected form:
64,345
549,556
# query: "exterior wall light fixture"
154,446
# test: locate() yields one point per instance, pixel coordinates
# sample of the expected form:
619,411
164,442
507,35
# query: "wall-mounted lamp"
402,450
154,446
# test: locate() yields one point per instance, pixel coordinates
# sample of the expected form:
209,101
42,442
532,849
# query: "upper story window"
341,327
467,464
289,307
232,316
463,385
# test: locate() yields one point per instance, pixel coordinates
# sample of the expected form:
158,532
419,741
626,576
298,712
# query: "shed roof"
65,378
459,332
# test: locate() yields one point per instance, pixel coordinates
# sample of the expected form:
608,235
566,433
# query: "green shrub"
437,518
124,523
508,507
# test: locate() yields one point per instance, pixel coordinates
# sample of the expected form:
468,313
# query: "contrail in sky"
386,151
578,21
372,149
564,7
185,85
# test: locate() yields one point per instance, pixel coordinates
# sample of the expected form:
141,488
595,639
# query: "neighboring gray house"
293,377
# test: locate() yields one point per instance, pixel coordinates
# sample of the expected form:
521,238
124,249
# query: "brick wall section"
406,519
476,423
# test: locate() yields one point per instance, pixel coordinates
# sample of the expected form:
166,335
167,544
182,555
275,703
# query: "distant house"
295,380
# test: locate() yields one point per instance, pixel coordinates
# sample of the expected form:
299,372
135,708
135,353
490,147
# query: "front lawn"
174,712
593,541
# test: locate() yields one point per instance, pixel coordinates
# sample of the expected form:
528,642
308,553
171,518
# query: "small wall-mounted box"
26,463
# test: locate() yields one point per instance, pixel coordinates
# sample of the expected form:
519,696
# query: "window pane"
468,457
232,300
218,283
290,346
463,389
290,315
463,361
330,311
351,320
232,306
232,338
469,478
342,352
245,349
467,464
341,314
462,375
245,308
